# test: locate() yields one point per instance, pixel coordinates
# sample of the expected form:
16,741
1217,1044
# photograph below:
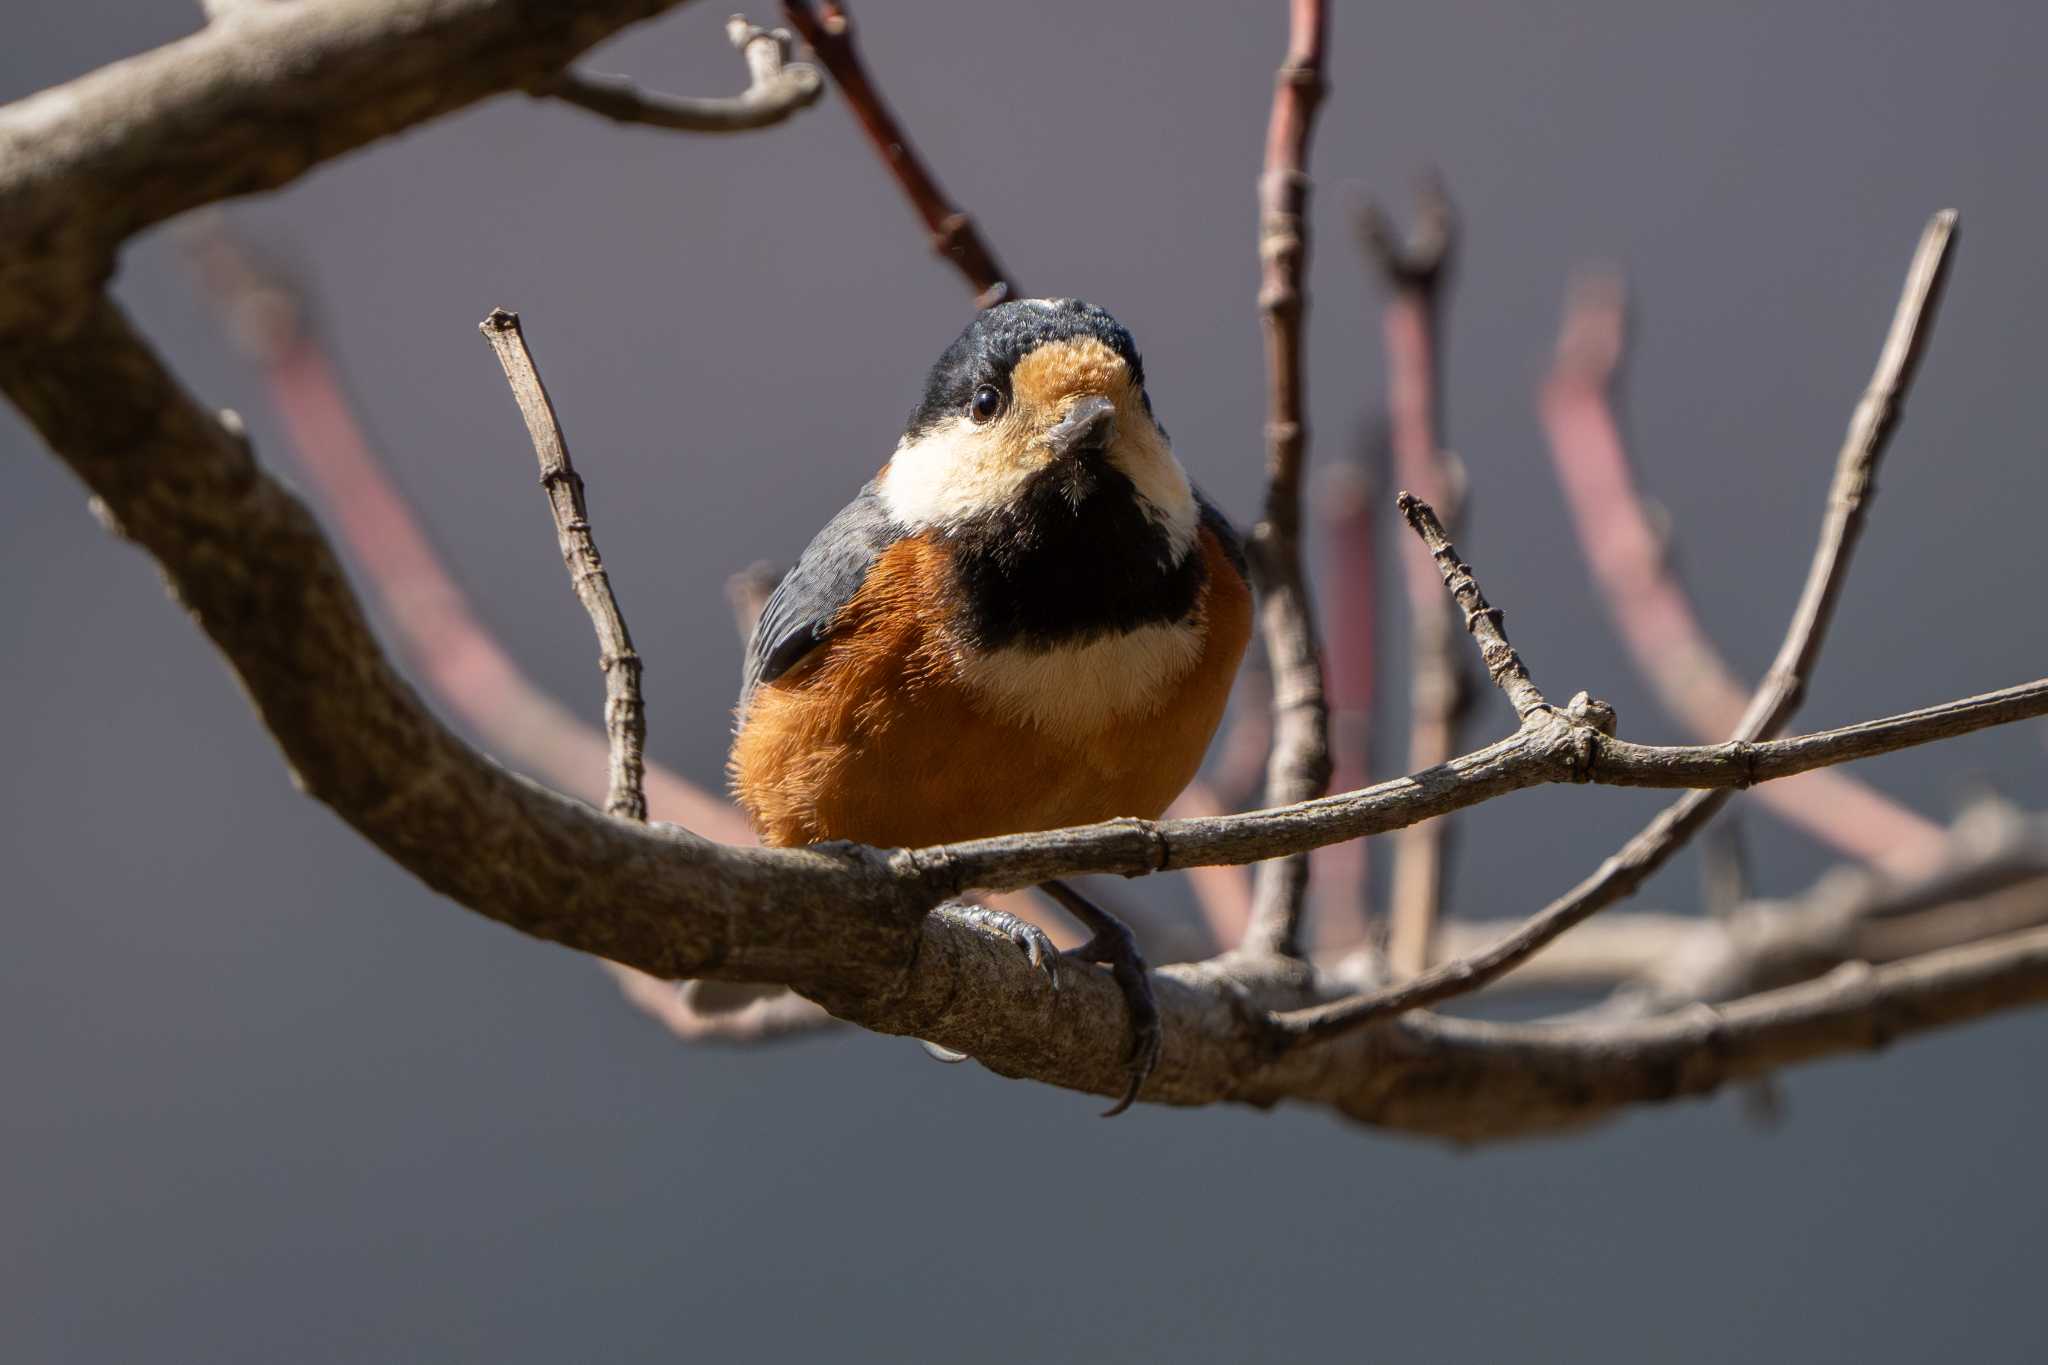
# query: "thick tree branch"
1633,570
1990,881
1870,428
244,106
828,29
625,714
1299,765
1549,1075
775,91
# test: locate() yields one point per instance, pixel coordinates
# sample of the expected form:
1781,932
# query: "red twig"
1348,517
1415,273
828,29
1626,555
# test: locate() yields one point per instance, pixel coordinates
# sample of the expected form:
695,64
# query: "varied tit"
1028,619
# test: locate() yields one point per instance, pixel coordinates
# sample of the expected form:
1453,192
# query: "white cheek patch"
949,475
1077,690
1164,493
946,476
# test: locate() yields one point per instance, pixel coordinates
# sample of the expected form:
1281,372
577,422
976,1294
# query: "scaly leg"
1113,946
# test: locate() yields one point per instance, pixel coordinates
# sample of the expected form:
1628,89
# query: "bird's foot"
1028,938
1113,946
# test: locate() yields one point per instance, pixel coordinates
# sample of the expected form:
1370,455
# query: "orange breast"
877,738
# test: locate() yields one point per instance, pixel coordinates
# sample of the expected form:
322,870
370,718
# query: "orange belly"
877,738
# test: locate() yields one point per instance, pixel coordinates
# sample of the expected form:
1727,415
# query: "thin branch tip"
1419,263
777,89
625,712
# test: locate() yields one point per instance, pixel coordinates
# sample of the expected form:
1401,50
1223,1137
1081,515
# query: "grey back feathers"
799,613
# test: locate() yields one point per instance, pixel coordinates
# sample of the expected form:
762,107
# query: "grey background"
266,1098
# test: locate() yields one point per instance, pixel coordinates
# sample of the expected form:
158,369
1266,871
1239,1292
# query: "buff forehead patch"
1060,369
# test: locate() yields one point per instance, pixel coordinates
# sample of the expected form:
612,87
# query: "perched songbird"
1028,619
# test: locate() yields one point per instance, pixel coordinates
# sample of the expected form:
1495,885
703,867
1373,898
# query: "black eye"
986,403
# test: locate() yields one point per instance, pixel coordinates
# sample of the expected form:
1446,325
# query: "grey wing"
799,613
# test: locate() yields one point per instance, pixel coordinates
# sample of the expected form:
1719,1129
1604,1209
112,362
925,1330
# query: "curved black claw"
1028,937
1113,946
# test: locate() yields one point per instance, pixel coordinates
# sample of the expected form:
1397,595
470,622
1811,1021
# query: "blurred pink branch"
1626,554
1345,509
1415,273
1236,770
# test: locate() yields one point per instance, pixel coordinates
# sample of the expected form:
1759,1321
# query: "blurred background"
267,1098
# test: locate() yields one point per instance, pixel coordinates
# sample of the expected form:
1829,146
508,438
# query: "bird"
1029,618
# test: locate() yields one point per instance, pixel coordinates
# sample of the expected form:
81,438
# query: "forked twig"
776,89
1870,428
1630,564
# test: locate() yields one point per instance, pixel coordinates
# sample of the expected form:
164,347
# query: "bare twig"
1299,766
776,89
1724,869
1568,747
1988,883
1416,274
444,639
828,29
1534,1067
1991,882
1632,568
1484,620
1779,694
625,715
1724,890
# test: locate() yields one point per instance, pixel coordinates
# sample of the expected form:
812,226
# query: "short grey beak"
1090,424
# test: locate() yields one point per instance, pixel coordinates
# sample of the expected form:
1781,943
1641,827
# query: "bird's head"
1037,410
